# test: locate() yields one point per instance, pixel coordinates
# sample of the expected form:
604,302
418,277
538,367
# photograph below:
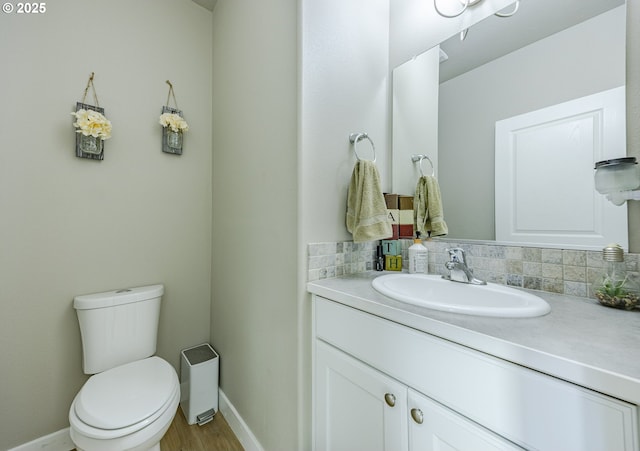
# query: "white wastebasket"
199,383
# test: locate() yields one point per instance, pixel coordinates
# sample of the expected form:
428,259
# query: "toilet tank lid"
117,297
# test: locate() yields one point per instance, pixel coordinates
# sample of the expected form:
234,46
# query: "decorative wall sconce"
173,125
92,127
618,179
466,4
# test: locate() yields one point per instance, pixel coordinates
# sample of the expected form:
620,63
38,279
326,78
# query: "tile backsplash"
564,271
327,260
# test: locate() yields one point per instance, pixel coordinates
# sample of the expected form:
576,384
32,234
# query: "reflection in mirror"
555,147
415,119
527,62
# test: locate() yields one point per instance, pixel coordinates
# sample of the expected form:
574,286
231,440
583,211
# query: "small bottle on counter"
418,256
379,258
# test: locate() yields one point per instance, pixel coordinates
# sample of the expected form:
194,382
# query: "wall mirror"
548,53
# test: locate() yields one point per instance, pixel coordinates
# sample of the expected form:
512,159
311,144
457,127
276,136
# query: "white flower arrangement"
89,122
174,121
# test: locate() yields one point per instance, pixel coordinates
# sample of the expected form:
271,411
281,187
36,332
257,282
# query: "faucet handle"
456,254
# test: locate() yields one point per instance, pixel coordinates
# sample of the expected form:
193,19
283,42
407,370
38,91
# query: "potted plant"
616,292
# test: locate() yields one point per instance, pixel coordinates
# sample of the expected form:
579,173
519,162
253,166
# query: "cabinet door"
434,427
356,407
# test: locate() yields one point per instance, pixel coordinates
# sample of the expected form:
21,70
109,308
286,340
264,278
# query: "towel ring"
355,138
419,158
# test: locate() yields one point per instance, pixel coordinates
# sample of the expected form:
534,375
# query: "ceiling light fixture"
467,3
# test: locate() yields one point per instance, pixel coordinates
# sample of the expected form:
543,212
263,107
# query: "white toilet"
132,397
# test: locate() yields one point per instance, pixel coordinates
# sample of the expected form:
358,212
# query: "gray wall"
291,80
254,322
71,226
344,69
582,60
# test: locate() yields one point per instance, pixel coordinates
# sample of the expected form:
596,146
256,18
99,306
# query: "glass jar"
174,139
90,144
616,287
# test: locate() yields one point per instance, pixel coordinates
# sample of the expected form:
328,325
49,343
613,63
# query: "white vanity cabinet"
375,381
360,408
357,407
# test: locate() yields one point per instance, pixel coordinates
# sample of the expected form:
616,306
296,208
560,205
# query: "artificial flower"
89,122
174,121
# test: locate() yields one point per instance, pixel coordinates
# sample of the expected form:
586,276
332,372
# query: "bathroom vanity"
392,376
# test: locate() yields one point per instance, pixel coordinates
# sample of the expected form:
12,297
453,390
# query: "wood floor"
213,436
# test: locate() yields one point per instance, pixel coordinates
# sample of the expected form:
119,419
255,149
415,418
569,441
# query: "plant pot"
626,301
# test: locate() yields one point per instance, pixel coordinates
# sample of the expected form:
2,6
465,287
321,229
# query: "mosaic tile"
555,270
532,254
513,252
531,268
575,289
551,256
514,267
574,258
551,271
574,273
515,280
553,285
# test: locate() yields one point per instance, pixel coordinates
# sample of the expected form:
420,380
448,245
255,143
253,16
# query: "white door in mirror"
557,146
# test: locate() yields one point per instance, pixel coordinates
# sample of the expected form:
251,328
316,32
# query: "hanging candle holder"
173,125
92,127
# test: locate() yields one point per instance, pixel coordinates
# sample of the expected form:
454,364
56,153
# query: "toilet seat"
125,399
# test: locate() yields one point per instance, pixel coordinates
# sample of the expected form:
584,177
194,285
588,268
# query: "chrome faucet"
458,269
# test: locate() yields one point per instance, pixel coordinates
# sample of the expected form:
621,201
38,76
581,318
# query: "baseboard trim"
57,441
237,424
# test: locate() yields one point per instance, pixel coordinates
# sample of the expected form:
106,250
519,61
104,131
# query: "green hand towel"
367,216
428,215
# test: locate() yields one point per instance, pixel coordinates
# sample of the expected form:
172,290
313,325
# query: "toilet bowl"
129,407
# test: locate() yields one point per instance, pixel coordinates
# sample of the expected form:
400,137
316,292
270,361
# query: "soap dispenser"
418,256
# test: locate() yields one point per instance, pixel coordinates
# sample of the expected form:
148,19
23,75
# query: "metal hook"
421,157
355,138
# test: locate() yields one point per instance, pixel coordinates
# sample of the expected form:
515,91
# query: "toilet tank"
118,327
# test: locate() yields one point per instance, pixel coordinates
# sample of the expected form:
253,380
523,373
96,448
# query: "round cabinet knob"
390,399
417,416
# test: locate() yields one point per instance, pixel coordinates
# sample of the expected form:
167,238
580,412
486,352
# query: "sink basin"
434,292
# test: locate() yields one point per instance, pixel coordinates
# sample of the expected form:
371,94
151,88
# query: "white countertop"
580,341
